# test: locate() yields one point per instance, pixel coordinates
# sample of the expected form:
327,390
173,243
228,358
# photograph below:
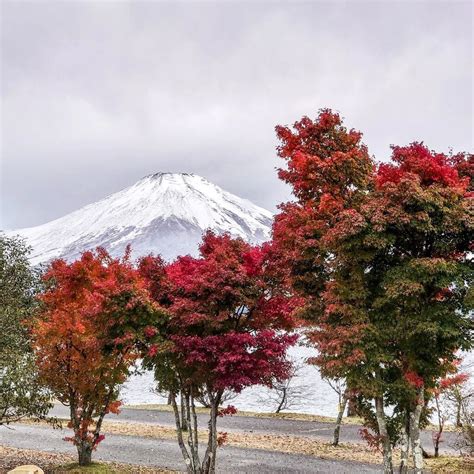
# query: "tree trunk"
195,429
387,447
209,463
340,414
404,448
85,454
438,435
190,468
459,401
458,417
210,466
352,408
282,401
417,451
184,426
192,435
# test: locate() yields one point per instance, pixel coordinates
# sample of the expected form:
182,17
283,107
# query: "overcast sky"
96,95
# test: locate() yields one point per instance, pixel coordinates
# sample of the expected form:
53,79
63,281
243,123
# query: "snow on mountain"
162,213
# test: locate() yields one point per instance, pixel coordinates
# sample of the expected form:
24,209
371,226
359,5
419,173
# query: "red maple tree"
381,255
227,309
85,336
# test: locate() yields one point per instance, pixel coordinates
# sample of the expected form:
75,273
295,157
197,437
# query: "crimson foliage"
227,310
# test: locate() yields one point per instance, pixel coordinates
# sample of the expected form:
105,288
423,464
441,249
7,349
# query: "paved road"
349,433
165,453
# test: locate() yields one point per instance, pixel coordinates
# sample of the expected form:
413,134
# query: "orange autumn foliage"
85,337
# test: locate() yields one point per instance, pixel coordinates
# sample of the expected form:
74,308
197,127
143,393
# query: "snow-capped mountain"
163,213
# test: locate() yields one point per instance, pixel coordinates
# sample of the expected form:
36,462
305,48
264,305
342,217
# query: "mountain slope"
163,213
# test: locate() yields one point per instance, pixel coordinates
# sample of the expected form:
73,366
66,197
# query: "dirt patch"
13,457
58,463
450,464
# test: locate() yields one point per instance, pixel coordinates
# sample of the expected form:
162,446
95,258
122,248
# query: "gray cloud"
97,94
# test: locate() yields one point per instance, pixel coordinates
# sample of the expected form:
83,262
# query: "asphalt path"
165,453
276,426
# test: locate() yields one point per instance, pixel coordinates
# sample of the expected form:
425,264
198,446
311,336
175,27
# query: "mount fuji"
163,213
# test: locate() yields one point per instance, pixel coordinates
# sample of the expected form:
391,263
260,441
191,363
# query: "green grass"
94,467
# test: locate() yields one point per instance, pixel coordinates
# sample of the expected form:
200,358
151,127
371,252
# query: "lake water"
318,397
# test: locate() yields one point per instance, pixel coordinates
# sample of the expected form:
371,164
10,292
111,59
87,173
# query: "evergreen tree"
21,394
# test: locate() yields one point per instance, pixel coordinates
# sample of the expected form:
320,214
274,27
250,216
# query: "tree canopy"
227,309
92,316
21,393
382,254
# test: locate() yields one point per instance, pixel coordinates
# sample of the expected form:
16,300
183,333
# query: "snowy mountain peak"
169,174
163,213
